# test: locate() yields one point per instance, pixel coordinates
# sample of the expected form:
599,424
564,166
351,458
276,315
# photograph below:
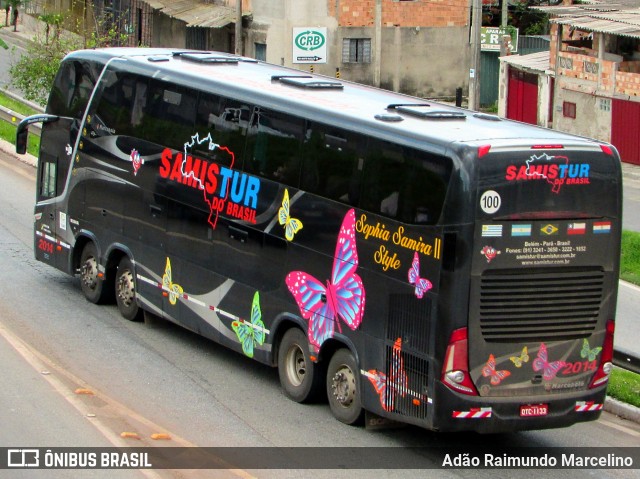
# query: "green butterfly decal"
251,333
587,352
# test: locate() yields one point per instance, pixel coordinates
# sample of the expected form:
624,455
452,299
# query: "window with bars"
356,50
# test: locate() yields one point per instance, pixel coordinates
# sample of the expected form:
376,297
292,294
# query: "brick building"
419,47
589,82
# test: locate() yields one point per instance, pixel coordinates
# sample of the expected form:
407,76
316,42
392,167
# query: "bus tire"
94,287
343,388
125,287
300,377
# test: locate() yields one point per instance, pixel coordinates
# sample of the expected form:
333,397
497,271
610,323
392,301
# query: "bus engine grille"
550,305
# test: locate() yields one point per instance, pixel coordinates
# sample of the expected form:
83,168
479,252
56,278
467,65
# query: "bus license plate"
533,410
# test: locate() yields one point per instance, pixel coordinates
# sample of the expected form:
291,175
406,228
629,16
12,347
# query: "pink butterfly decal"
540,363
343,297
422,285
489,371
397,381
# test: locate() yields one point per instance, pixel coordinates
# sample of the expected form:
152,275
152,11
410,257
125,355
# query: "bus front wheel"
92,281
343,388
126,291
300,377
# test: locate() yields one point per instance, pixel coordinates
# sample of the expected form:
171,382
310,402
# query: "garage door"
522,102
625,129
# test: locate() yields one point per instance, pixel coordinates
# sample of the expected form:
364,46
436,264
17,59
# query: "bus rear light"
483,150
606,150
547,147
455,371
606,360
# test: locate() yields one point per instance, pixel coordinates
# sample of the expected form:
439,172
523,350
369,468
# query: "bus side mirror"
21,139
22,133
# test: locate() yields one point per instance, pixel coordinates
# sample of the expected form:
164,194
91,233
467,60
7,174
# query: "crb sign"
491,38
310,45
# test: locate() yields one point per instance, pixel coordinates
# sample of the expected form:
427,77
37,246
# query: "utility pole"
238,46
504,13
377,56
474,72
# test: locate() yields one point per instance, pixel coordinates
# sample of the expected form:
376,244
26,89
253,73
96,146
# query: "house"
590,84
419,47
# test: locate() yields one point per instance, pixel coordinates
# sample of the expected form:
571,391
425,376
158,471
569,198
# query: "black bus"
416,261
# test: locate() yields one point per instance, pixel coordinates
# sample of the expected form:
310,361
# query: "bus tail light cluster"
455,371
606,360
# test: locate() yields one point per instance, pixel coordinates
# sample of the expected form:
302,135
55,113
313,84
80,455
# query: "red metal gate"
522,100
625,129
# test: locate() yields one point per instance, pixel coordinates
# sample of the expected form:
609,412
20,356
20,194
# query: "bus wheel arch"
301,377
93,281
121,272
343,387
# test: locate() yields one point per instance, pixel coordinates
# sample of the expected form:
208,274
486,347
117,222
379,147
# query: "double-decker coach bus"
420,262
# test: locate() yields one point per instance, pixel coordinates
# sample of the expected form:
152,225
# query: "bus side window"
169,114
48,175
424,194
273,146
226,121
332,163
120,106
404,183
383,179
72,88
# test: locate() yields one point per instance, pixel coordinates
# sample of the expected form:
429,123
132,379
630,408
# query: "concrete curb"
621,409
10,149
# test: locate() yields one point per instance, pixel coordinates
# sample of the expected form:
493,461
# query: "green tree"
35,71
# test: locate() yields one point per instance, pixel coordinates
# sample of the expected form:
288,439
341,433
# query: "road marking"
64,383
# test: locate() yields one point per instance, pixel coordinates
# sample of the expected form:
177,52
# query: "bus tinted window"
72,88
333,160
273,146
169,114
403,183
226,120
120,109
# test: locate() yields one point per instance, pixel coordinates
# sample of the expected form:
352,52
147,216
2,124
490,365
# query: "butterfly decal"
174,290
396,381
587,352
541,363
291,225
343,297
251,333
421,285
489,371
520,360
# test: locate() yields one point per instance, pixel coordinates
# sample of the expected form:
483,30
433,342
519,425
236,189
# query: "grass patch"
624,386
8,130
630,257
8,133
18,107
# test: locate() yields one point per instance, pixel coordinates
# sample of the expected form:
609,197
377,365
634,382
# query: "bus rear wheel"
126,291
343,388
300,377
92,281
